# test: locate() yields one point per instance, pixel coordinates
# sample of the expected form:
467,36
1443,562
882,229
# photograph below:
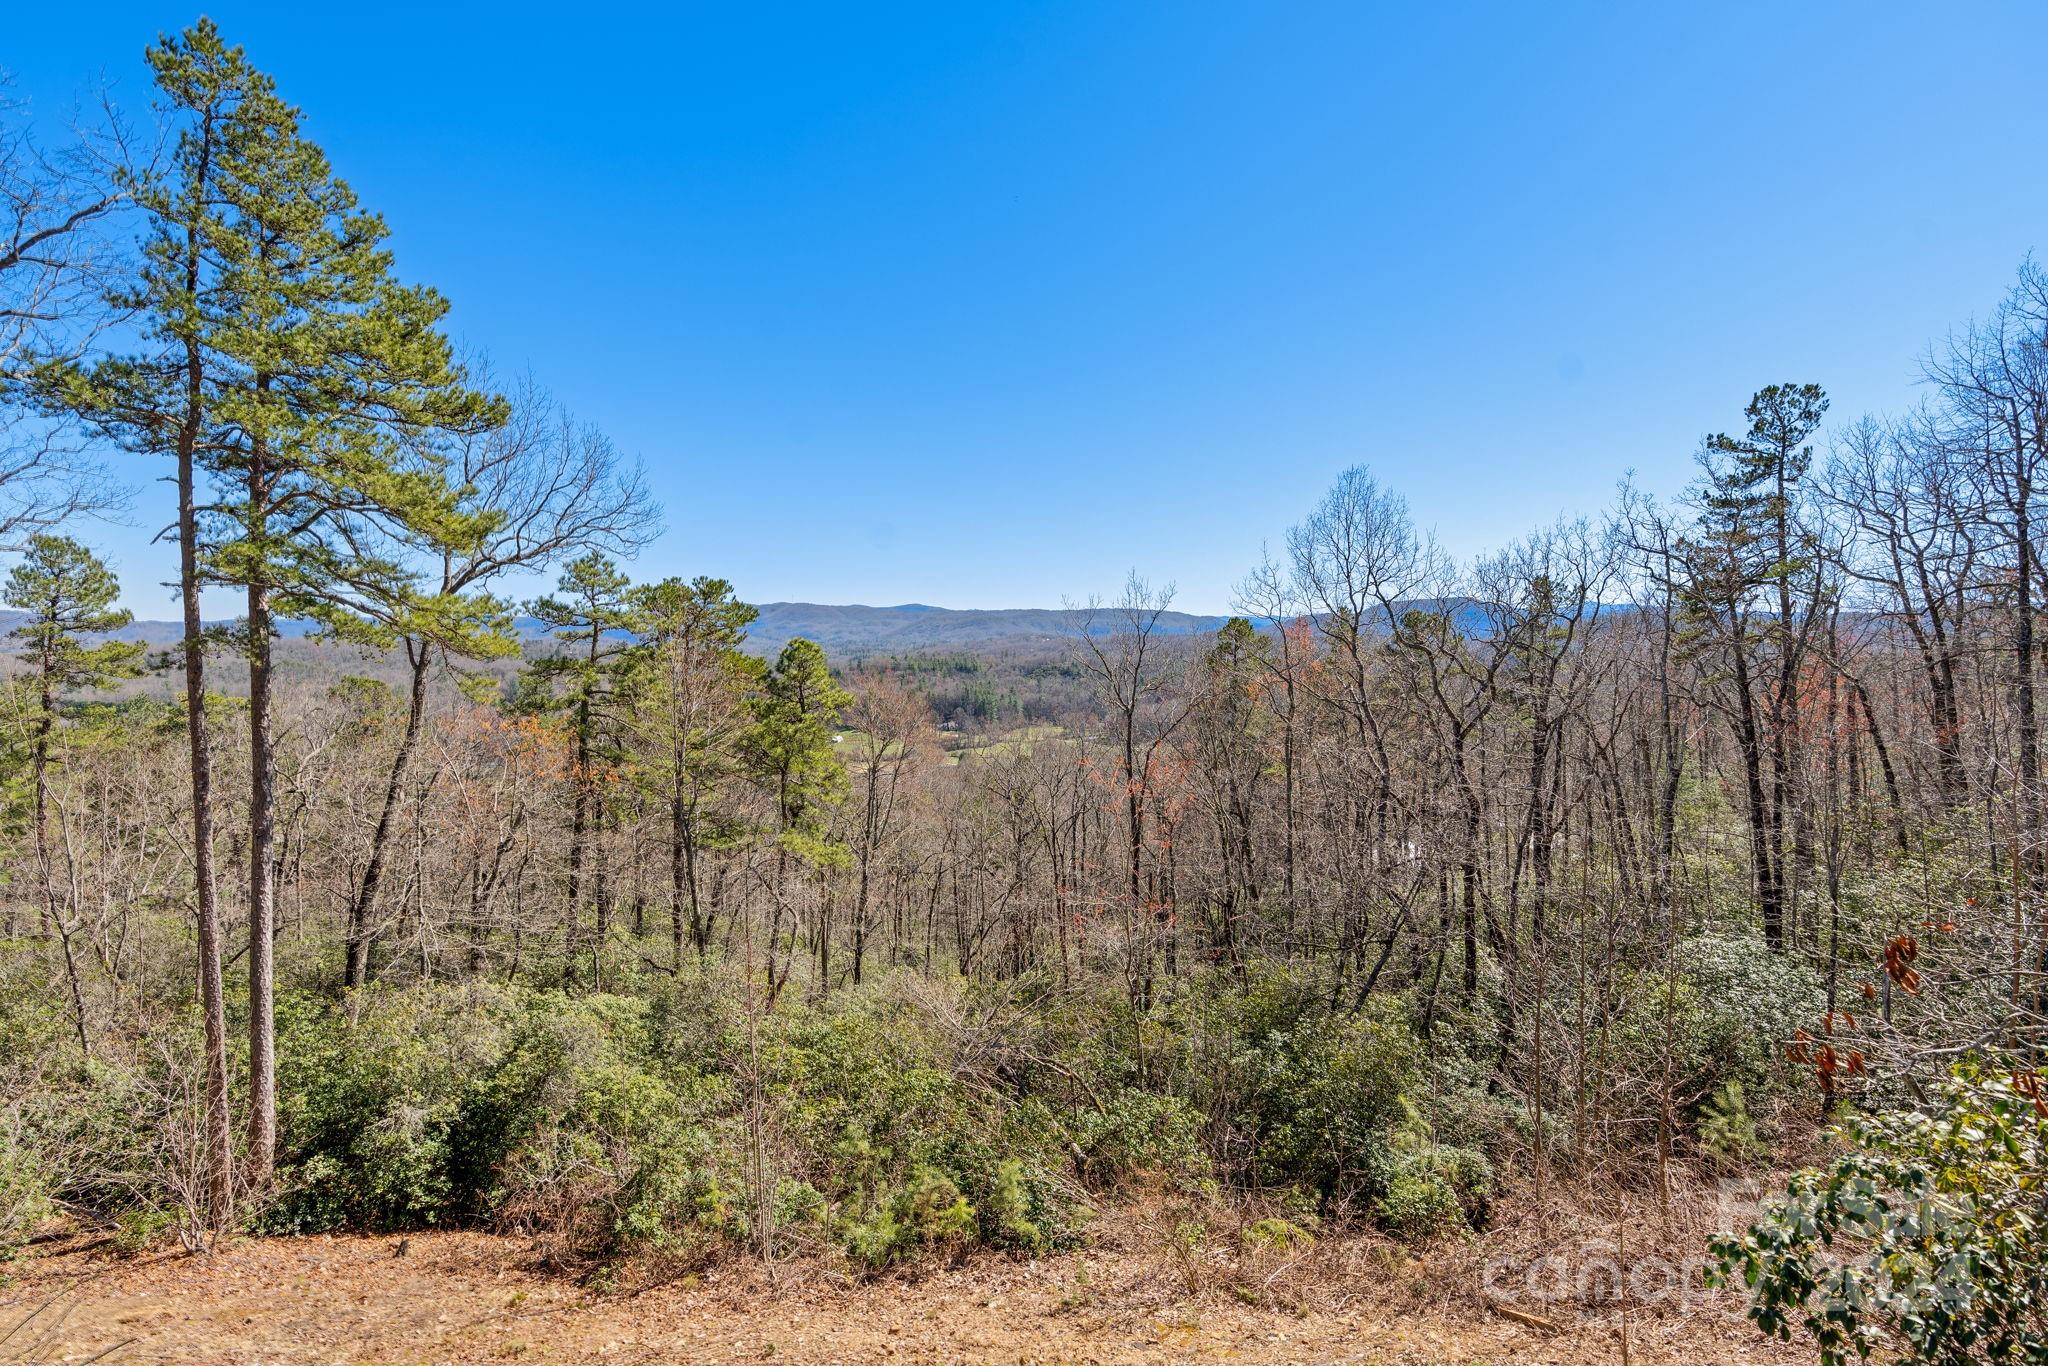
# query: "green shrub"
137,1230
1926,1237
881,1130
1727,1133
1418,1205
367,1105
117,1137
1277,1235
24,1188
622,1166
546,1111
1007,1210
1327,1097
876,1240
1434,1188
1137,1132
609,1124
36,1046
1740,1003
927,1213
798,1204
935,1209
1441,1190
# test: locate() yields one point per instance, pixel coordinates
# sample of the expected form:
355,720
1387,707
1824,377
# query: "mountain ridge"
846,630
850,632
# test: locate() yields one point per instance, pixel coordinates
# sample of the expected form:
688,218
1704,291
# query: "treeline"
1627,850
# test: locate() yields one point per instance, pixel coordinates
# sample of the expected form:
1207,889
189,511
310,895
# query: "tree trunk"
1763,828
55,918
362,906
2032,856
262,1131
219,1158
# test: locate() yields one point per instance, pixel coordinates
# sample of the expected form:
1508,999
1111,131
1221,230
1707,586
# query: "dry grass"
1146,1289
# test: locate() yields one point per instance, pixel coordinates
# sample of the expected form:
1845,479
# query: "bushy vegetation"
1925,1237
905,1121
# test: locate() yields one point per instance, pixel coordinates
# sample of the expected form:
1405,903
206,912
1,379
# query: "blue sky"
982,305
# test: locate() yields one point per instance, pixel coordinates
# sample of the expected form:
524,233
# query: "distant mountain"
853,631
858,630
844,631
157,635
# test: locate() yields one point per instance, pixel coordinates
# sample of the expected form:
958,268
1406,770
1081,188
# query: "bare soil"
474,1297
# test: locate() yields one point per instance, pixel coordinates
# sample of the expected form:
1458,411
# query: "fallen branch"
1522,1317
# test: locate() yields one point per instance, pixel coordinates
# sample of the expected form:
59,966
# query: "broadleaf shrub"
1925,1237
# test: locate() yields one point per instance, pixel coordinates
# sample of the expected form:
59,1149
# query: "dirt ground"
472,1297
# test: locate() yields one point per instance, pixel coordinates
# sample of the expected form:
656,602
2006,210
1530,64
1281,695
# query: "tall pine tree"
791,754
1746,562
593,614
162,400
690,715
291,371
346,386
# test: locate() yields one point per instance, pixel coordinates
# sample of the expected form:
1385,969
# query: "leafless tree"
63,253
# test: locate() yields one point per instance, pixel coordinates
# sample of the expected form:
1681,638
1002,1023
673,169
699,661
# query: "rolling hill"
851,631
845,631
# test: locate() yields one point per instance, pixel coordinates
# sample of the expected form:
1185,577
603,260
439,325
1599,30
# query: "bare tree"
1121,648
62,258
557,487
1993,378
891,728
1910,503
1270,598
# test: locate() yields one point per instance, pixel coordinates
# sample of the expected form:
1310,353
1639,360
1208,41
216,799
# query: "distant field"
1019,741
961,746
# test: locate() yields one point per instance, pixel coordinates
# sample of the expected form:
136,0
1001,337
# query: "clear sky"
981,305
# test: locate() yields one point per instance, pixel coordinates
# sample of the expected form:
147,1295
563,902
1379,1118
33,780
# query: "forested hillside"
850,633
1414,897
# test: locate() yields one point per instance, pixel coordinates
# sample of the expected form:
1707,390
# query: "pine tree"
343,382
161,400
594,616
67,594
790,752
690,713
1232,733
1747,543
791,744
290,369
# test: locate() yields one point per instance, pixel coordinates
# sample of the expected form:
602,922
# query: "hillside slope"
845,631
849,631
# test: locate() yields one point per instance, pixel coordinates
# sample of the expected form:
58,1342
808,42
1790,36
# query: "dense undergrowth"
907,1118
